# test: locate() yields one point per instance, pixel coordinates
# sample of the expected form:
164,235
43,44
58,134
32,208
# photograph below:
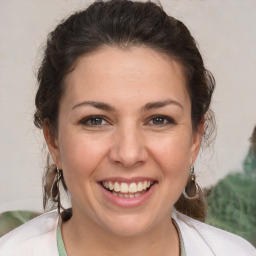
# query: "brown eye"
93,121
161,120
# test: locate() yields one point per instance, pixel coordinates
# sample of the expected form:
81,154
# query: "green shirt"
60,243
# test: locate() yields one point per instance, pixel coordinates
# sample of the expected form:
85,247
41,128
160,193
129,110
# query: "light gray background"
226,33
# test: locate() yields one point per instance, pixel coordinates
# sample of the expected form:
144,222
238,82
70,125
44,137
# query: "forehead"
114,73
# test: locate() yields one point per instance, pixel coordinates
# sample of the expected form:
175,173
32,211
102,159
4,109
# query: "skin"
129,142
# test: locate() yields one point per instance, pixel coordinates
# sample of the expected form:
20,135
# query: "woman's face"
125,140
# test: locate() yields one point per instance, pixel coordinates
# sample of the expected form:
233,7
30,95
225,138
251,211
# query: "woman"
123,102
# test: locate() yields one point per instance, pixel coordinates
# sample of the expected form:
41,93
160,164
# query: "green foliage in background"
232,202
12,219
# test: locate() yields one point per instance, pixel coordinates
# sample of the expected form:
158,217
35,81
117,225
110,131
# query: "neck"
82,236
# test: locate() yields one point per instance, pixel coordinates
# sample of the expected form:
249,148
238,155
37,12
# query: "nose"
128,148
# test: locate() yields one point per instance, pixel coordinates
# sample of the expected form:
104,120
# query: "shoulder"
36,237
198,236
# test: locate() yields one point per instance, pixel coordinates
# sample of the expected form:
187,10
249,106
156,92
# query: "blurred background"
226,33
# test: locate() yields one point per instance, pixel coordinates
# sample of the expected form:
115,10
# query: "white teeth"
116,187
110,185
139,187
105,184
124,188
144,185
126,195
133,188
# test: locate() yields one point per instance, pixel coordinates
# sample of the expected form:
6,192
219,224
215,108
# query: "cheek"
172,153
80,156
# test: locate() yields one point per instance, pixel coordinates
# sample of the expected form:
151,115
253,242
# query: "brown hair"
124,24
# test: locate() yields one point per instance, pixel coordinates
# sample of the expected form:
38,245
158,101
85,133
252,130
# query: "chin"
128,226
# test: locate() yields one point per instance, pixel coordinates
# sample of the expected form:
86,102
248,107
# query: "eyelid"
88,118
84,120
170,119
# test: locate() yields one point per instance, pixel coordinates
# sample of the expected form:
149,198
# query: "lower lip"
128,202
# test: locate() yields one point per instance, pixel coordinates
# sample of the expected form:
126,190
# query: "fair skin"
142,132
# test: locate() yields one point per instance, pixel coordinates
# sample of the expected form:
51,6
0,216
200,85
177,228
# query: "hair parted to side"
125,24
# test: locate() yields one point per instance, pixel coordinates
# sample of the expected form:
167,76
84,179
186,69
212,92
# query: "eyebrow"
99,105
160,104
147,107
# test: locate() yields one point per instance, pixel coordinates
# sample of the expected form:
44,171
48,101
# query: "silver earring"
59,177
191,191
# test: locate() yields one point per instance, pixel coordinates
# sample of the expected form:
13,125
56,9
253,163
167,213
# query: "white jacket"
38,238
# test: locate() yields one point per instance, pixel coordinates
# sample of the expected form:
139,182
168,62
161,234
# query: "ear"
52,144
196,141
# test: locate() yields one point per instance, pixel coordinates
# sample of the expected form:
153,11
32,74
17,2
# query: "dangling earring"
191,191
59,177
65,214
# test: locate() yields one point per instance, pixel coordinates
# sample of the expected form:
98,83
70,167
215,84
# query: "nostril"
128,153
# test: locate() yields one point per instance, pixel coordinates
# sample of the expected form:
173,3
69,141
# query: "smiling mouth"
127,190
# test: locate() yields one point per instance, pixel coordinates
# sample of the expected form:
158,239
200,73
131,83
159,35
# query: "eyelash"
85,121
166,118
